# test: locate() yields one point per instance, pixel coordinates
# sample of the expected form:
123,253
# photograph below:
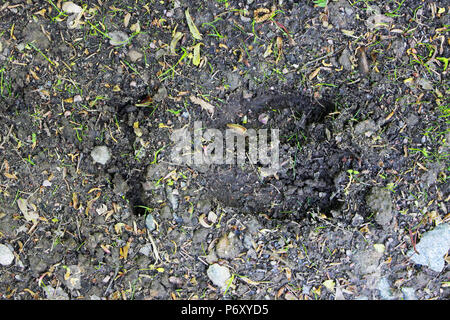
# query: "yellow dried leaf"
124,251
314,73
67,274
196,59
173,44
41,12
136,27
10,176
237,128
329,284
408,80
349,33
279,48
118,227
192,28
74,200
126,19
34,75
268,51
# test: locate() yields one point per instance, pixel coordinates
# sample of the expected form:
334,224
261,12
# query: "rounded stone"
6,255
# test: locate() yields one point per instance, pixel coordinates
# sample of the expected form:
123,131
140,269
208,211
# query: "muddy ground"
357,90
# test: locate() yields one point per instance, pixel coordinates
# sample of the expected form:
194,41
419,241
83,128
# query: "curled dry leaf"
262,14
118,227
202,103
192,28
202,221
196,59
29,215
237,128
173,44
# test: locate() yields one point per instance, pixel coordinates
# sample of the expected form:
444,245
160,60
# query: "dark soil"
357,90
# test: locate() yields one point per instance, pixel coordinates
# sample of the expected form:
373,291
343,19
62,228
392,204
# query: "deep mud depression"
93,205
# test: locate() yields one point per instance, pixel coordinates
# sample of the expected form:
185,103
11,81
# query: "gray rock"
409,293
218,275
146,250
337,16
379,201
6,255
172,196
120,185
101,154
212,257
233,80
117,38
166,213
55,294
135,55
357,220
150,222
432,247
161,94
425,84
412,120
429,178
344,60
385,289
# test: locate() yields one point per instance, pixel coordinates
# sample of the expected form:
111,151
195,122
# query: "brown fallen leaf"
10,176
202,103
262,14
362,60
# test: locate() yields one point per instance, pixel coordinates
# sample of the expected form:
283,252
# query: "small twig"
330,54
7,137
112,280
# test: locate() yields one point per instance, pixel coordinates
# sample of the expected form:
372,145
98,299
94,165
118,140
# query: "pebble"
146,250
150,222
344,60
117,38
161,94
6,255
432,248
135,55
218,275
101,154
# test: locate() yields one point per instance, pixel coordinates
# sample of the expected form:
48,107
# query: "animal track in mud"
310,162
